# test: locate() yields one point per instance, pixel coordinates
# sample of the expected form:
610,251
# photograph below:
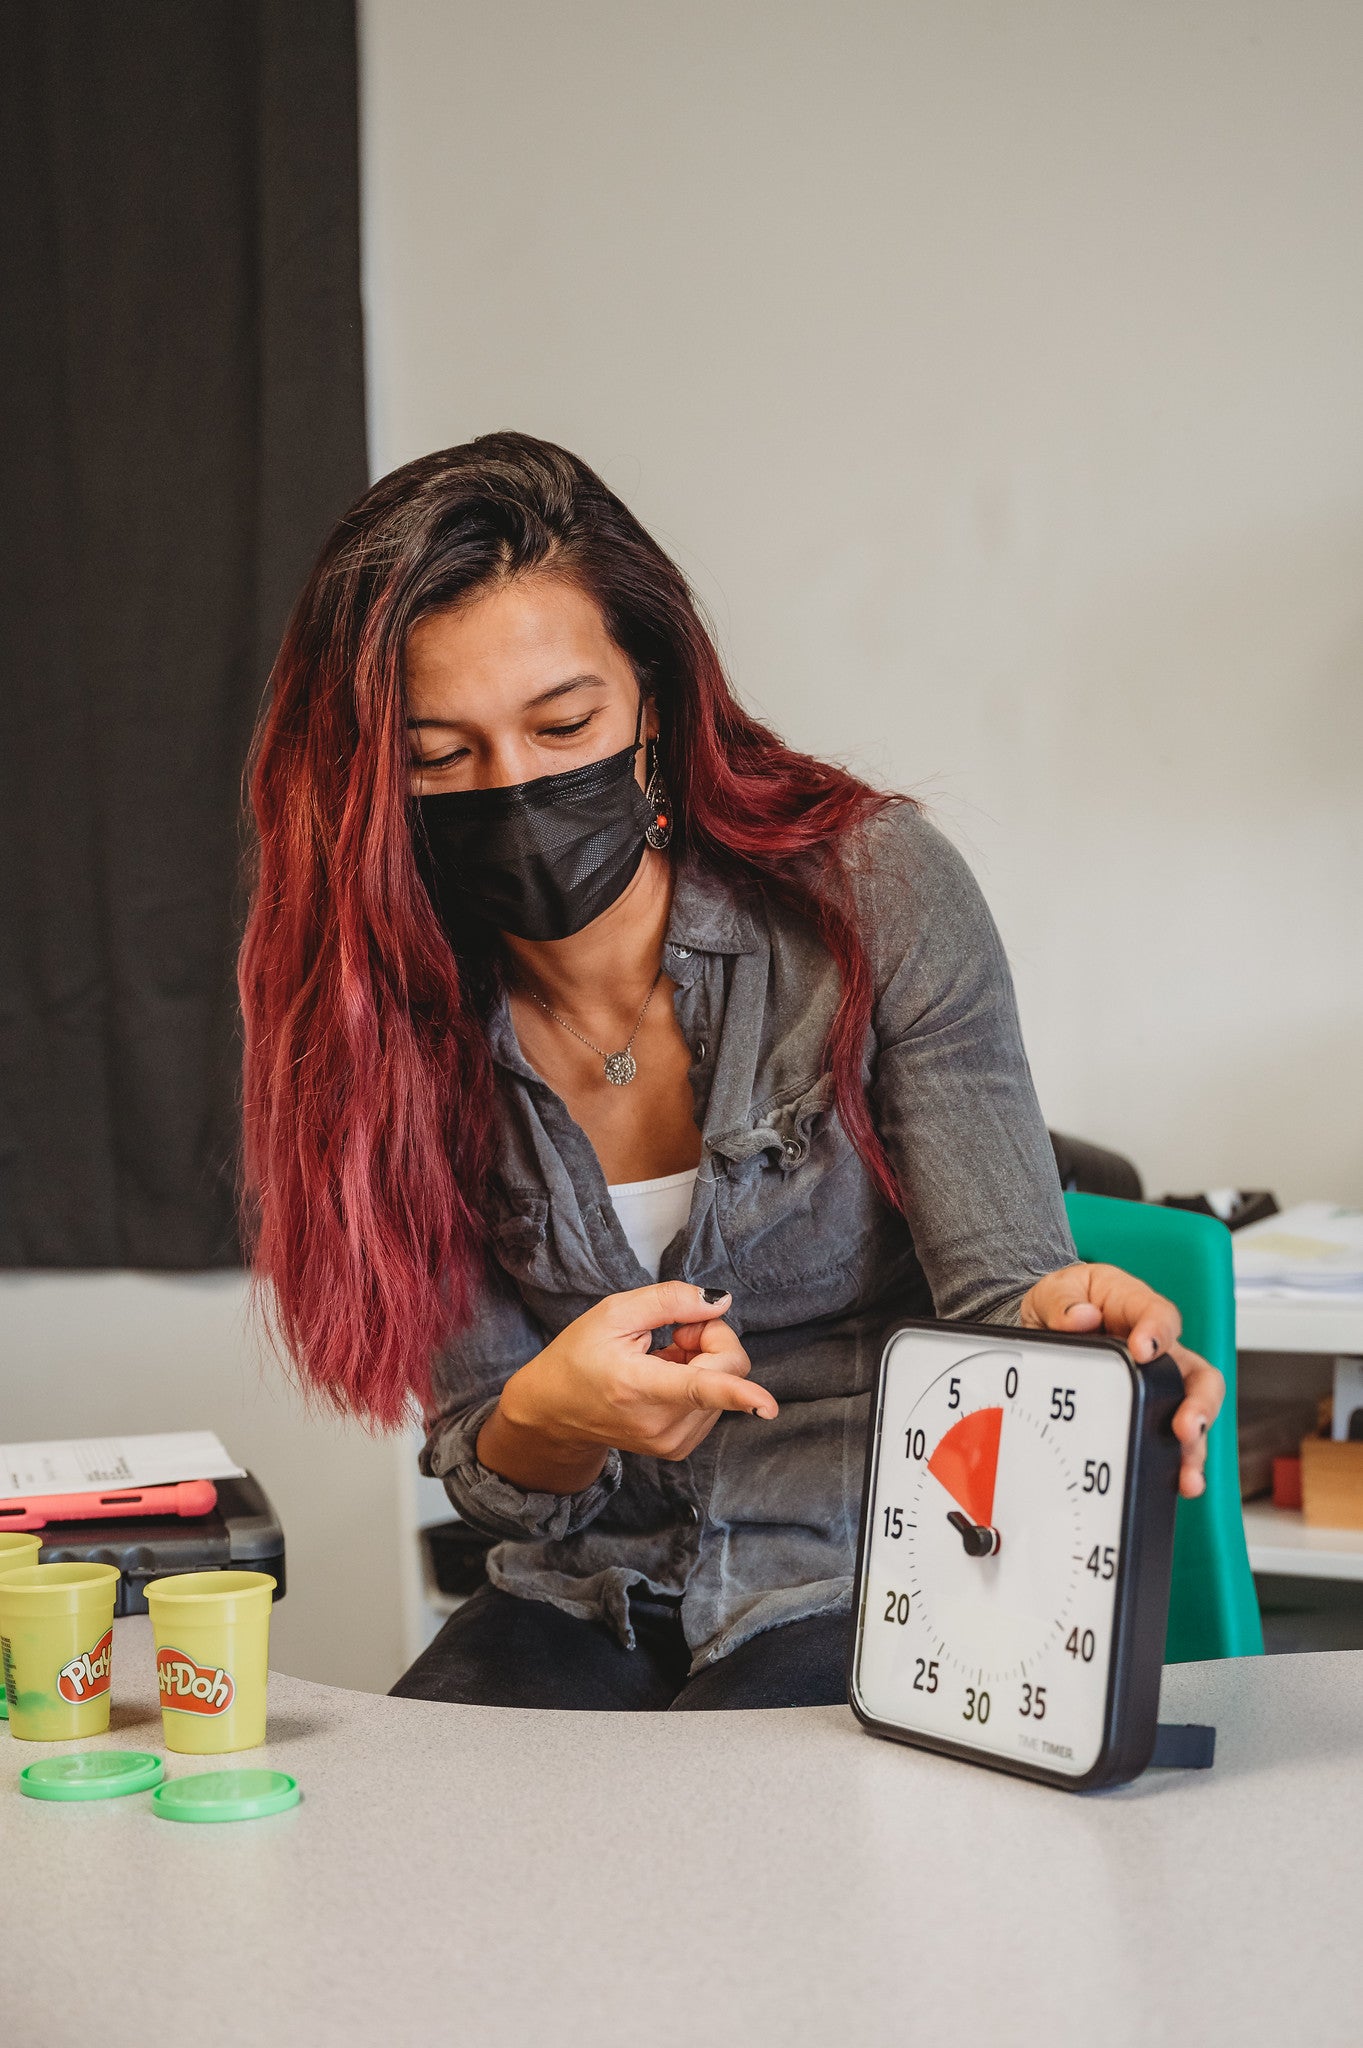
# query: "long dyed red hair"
369,1096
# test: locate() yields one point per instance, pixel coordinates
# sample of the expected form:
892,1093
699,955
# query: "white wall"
994,371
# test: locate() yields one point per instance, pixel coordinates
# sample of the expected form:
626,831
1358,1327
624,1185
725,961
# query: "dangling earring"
658,831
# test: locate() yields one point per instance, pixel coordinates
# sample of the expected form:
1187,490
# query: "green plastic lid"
225,1795
92,1774
4,1705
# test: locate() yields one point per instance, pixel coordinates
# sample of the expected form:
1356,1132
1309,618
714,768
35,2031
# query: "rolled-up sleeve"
952,1092
466,1380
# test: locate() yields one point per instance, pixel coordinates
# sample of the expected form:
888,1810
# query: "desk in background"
1332,1326
1279,1541
554,1880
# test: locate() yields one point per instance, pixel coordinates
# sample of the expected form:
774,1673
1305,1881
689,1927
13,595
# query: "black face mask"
540,859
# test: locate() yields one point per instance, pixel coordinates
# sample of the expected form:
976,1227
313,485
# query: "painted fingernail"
713,1294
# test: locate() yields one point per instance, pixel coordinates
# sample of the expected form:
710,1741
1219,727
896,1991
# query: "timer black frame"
1144,1569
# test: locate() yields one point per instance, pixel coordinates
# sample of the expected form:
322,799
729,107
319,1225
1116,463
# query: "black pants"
498,1651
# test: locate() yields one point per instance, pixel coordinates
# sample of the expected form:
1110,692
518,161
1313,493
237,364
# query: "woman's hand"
1086,1297
598,1387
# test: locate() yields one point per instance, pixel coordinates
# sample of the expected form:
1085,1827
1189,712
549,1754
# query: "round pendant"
620,1069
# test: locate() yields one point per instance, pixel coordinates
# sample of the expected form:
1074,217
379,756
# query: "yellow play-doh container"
212,1633
17,1547
57,1643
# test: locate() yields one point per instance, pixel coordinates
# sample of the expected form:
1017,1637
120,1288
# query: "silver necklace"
620,1068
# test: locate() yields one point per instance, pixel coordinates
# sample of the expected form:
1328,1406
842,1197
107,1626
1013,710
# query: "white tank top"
651,1213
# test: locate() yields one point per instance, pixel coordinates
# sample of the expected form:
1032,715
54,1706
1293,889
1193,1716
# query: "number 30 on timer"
1016,1540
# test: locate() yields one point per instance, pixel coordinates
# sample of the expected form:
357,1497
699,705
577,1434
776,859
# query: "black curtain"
181,348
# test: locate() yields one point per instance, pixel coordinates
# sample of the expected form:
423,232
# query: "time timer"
1017,1534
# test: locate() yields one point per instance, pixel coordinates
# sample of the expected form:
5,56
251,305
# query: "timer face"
992,1547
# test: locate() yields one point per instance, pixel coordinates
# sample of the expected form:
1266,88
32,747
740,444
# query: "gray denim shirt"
758,1526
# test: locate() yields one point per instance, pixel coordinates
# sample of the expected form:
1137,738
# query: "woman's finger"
1083,1297
710,1344
703,1386
1204,1390
1087,1297
641,1310
729,1357
1152,1323
1203,1386
1061,1301
1149,1322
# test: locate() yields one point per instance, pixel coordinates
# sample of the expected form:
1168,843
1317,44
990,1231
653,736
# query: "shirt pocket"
541,1248
794,1202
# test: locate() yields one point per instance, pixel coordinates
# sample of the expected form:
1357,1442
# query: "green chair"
1213,1611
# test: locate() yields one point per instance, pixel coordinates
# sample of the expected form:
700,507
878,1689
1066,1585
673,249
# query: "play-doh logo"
192,1688
87,1676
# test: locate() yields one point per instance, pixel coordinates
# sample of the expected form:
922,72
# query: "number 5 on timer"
1017,1537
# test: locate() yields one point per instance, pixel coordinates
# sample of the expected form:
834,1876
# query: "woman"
614,1074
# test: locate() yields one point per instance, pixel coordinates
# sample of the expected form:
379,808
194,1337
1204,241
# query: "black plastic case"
241,1534
1141,1604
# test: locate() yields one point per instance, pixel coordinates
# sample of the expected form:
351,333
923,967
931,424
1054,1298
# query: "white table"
475,1875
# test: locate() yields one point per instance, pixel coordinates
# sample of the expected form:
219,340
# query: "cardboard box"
1331,1483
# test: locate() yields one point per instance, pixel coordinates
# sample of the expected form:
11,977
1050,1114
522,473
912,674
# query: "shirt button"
701,1048
694,1512
682,952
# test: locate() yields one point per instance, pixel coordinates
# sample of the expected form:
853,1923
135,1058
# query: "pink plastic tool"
189,1497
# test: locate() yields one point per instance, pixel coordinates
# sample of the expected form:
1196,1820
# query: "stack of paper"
1313,1249
97,1464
